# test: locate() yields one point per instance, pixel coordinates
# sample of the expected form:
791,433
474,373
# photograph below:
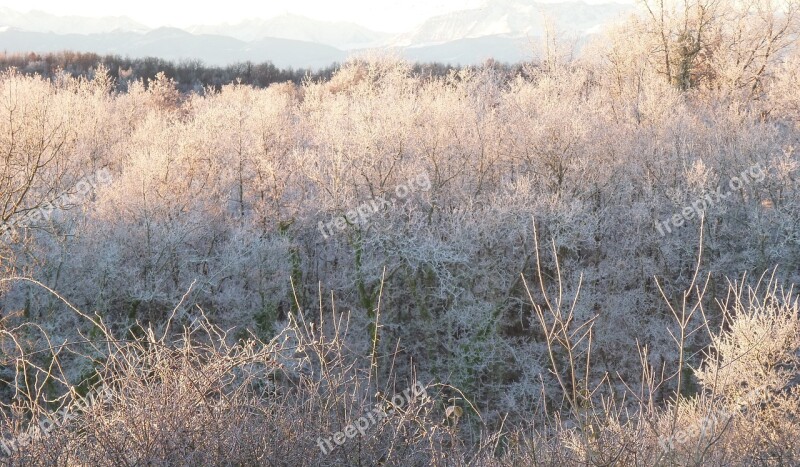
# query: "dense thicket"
411,201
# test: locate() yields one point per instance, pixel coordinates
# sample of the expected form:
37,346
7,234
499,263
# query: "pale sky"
382,15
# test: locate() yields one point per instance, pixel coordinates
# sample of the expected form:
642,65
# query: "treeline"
190,75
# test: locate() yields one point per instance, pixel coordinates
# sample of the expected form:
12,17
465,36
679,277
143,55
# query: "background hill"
506,30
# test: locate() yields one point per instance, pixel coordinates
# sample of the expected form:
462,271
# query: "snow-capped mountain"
177,44
342,35
513,18
39,21
501,29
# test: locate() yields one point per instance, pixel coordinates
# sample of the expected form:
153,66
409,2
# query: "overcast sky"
382,15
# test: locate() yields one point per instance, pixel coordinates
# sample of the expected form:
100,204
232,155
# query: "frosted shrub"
758,347
748,385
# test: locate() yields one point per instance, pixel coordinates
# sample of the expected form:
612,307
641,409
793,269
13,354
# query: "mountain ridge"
500,29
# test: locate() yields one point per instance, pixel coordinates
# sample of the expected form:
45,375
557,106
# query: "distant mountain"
513,18
176,44
39,21
505,30
342,35
473,51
